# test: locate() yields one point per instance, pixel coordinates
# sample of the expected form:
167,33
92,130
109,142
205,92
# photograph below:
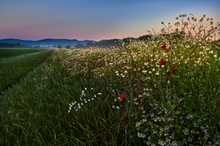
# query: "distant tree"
128,40
89,44
79,45
59,46
68,47
144,38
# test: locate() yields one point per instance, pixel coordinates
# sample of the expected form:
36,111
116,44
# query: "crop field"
163,91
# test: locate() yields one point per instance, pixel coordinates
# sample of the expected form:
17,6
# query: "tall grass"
34,112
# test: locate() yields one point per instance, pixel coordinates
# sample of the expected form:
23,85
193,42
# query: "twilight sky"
94,19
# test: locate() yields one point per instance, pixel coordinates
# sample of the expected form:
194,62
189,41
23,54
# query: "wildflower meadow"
163,91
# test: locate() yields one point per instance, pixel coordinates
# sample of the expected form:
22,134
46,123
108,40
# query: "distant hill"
67,43
46,43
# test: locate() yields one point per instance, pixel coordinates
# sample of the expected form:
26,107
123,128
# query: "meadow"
164,91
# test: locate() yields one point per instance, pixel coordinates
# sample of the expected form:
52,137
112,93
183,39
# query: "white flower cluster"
83,100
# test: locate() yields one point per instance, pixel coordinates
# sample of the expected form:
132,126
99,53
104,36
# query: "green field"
13,68
164,91
8,53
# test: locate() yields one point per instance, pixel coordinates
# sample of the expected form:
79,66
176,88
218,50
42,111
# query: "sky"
95,19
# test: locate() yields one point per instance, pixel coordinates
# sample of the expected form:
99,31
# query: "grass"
12,69
11,52
164,91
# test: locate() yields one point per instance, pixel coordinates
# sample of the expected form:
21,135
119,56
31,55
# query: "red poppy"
199,74
164,46
81,54
174,69
162,62
122,96
168,73
74,58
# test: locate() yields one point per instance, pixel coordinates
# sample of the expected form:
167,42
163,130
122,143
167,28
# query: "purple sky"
94,19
